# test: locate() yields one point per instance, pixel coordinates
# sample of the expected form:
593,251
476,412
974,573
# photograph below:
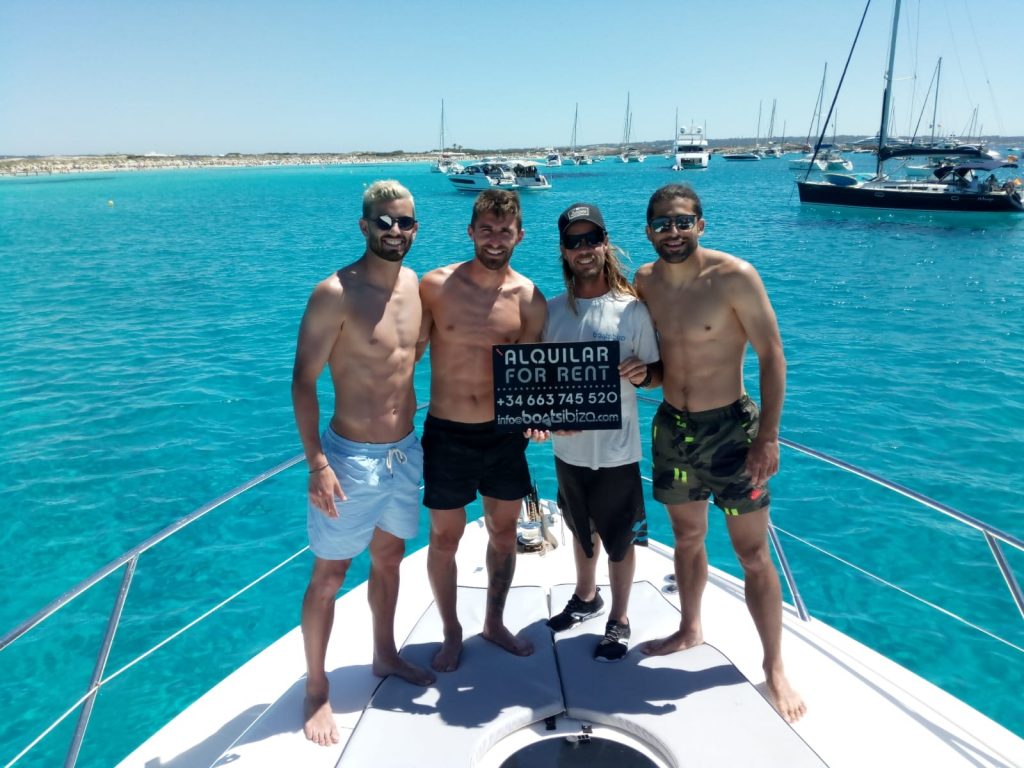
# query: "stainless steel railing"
130,560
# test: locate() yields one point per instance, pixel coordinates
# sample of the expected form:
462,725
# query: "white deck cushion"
695,707
456,720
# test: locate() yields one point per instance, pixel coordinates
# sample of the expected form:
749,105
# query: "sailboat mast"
442,125
883,129
935,107
757,138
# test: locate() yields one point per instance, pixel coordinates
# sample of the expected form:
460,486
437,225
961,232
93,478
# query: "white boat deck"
863,708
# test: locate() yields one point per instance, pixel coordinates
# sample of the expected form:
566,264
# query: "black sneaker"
615,643
577,611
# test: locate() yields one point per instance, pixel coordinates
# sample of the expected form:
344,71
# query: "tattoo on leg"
500,582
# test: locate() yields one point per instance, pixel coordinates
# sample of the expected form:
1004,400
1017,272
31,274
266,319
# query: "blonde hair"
616,278
385,189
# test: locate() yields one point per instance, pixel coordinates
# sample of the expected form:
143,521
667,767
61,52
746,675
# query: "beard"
388,252
676,256
491,261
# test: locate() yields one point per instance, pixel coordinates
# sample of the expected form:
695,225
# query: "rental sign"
570,385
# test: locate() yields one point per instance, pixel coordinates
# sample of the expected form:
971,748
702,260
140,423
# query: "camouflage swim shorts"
697,454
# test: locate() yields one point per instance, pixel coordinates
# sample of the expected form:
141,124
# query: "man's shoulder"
515,279
440,274
726,263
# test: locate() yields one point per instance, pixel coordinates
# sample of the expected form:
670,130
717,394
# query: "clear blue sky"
215,76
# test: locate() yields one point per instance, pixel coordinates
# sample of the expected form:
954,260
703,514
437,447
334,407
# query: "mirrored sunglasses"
682,222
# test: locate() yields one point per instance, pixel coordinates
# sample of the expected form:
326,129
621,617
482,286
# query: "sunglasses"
385,223
592,238
682,222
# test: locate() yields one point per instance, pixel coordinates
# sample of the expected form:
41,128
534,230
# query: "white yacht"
705,707
553,158
691,149
528,176
483,175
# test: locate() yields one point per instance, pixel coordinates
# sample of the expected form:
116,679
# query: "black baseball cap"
581,212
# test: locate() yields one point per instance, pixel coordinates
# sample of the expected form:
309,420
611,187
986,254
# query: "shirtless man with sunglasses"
362,323
709,439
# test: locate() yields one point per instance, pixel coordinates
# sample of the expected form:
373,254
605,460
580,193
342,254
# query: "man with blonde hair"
362,323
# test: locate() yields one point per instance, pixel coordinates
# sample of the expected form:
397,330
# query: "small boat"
528,176
483,175
684,709
747,156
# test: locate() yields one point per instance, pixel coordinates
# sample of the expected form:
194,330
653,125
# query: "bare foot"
401,668
320,727
501,637
788,702
447,659
677,641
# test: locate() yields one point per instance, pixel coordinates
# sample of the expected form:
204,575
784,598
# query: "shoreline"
47,165
66,164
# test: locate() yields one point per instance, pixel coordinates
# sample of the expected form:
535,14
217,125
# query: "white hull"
863,708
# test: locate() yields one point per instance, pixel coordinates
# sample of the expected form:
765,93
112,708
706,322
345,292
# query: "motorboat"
553,158
483,175
953,188
806,162
691,149
750,155
631,155
834,161
557,706
528,175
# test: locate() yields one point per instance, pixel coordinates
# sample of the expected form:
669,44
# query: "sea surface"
147,329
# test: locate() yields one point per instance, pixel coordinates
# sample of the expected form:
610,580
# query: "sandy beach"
58,164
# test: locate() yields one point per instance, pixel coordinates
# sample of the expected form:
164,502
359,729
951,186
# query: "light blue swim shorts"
382,483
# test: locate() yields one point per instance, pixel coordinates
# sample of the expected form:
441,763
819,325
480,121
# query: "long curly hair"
613,271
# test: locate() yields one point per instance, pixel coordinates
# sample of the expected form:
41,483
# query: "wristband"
319,469
646,381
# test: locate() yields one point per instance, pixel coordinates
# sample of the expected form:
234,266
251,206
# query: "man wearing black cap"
599,487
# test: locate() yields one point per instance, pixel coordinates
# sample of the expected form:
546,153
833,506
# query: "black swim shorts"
609,500
461,459
697,454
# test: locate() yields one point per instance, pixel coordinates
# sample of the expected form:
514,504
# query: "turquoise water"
148,327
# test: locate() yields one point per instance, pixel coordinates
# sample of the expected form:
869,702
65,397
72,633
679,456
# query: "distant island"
36,165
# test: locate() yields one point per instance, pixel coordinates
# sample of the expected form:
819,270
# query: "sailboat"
575,157
960,186
755,153
809,160
444,163
629,154
772,150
